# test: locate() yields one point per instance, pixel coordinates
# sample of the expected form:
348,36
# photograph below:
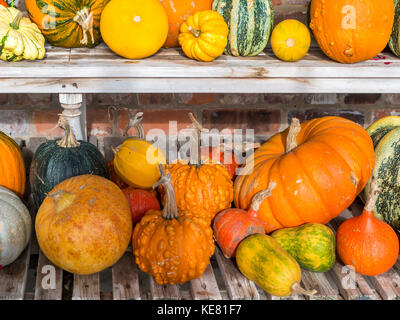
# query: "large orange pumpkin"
84,225
178,11
314,170
12,167
350,31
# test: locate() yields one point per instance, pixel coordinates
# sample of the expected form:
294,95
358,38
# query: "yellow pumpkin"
134,29
136,160
290,40
204,36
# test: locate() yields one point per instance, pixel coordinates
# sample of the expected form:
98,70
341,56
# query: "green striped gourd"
312,245
394,41
250,23
385,134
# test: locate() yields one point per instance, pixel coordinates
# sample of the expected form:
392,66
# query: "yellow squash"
290,40
204,36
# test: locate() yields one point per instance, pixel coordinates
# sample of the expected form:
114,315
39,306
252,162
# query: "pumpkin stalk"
16,21
170,210
69,139
85,19
195,32
259,197
291,140
136,122
372,197
195,158
296,288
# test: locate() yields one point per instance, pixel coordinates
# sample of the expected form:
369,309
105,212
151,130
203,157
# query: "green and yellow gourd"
261,259
312,245
385,134
250,23
394,41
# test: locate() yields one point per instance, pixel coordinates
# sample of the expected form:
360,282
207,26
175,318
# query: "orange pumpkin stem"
260,196
170,210
294,130
296,288
372,196
69,139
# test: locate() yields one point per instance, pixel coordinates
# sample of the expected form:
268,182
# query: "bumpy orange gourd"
84,225
178,11
174,249
314,170
12,167
368,244
350,31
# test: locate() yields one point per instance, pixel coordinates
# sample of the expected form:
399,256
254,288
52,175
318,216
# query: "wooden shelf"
99,70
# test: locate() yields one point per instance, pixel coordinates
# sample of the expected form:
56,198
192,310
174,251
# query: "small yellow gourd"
204,36
290,40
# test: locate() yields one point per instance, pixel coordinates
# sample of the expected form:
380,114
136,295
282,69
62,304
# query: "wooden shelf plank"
86,287
125,279
166,291
46,269
205,288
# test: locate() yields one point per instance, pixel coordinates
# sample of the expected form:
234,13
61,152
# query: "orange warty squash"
314,171
178,11
231,226
12,168
350,31
367,243
84,225
172,248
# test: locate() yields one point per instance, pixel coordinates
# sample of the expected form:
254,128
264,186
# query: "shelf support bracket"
74,110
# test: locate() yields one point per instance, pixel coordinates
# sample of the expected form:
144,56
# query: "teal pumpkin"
394,41
313,245
250,23
58,160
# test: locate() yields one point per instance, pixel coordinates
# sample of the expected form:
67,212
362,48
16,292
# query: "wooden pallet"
24,278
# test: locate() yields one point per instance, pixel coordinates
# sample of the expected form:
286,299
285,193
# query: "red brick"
195,98
117,99
239,98
361,98
320,98
263,121
33,100
308,114
377,114
4,99
100,122
274,98
45,122
158,99
155,119
15,122
276,2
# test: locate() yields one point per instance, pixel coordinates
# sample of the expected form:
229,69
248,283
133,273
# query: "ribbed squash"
68,23
313,245
261,259
12,166
250,23
394,41
385,134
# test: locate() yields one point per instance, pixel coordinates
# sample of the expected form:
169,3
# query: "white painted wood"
72,105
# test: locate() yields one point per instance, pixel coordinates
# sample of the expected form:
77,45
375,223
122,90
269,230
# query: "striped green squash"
312,245
385,134
394,41
250,23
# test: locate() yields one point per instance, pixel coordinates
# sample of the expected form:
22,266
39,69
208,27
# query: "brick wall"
34,115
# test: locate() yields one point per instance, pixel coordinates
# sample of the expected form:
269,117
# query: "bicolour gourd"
366,243
140,201
84,225
313,245
68,23
394,41
261,259
232,225
385,134
136,160
12,168
178,11
15,227
350,31
203,36
250,23
57,160
19,37
134,29
173,248
314,170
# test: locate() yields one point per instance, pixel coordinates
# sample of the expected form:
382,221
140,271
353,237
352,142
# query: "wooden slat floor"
27,277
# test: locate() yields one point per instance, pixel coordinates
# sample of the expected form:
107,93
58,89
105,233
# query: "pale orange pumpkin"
314,171
350,31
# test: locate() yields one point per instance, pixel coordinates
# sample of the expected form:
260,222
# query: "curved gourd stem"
296,288
260,196
291,140
85,19
170,210
195,32
16,21
69,139
195,157
372,196
239,147
136,122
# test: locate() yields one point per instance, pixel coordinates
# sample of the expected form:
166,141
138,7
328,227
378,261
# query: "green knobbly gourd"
250,24
394,41
313,245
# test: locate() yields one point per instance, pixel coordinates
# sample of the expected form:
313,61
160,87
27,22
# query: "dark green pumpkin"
250,23
394,41
313,245
58,160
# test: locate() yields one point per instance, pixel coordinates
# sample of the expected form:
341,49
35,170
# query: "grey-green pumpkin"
250,23
394,41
